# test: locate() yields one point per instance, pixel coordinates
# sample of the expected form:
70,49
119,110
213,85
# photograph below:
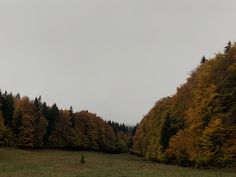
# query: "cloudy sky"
112,57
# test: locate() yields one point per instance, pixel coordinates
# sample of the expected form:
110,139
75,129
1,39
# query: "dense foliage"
197,125
124,134
31,123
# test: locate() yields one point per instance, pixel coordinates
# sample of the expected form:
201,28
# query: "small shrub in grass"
82,159
166,159
183,160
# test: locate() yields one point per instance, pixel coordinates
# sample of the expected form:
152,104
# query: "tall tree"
203,60
71,118
228,47
51,115
25,115
5,133
7,108
40,123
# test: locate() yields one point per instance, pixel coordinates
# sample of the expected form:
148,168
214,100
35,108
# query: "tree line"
197,125
33,124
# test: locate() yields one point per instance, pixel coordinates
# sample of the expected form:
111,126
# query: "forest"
26,123
194,127
197,125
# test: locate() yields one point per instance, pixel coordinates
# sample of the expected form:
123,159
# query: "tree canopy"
31,123
197,125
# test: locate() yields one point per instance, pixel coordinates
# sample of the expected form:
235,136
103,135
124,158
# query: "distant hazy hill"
197,125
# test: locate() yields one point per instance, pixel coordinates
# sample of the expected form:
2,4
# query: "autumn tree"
25,115
62,135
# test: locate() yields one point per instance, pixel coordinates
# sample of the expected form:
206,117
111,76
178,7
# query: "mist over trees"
197,125
34,124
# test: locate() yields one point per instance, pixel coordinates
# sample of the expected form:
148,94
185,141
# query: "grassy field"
56,163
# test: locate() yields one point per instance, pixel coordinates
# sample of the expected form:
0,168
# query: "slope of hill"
197,125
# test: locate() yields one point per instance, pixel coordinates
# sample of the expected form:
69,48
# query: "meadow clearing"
58,163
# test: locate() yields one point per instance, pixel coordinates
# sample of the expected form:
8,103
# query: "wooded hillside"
31,123
197,125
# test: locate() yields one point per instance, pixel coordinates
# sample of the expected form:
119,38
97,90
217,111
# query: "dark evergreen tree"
166,132
8,109
203,60
228,47
45,110
17,123
71,118
37,125
18,96
134,129
51,116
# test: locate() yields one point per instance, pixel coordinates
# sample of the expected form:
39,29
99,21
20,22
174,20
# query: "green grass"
56,163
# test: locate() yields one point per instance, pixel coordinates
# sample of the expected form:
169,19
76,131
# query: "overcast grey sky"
112,57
